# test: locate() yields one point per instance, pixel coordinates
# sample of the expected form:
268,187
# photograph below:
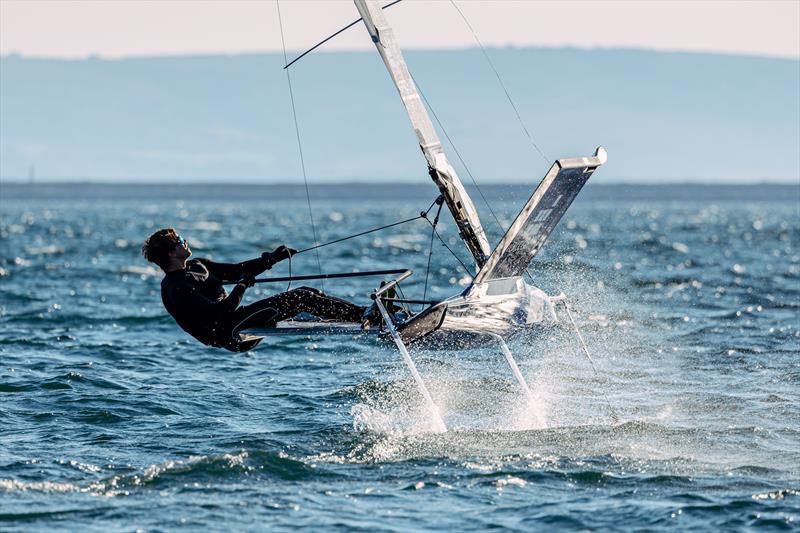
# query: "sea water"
111,418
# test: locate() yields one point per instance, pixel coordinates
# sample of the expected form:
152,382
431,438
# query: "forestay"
539,217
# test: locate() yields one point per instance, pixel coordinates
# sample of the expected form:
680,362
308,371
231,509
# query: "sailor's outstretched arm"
252,267
236,271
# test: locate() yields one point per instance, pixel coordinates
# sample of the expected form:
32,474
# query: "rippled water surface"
111,418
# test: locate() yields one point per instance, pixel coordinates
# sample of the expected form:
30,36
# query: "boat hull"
497,307
474,317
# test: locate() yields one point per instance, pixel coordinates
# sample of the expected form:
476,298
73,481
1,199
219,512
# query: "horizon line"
25,182
216,54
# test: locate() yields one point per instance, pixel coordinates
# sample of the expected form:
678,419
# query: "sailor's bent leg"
268,312
323,305
261,314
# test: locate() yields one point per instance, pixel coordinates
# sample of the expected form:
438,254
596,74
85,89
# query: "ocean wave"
61,318
690,321
645,446
178,473
14,485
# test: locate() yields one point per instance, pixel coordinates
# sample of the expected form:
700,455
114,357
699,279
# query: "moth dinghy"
498,301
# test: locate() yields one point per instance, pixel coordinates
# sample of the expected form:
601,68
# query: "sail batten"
439,168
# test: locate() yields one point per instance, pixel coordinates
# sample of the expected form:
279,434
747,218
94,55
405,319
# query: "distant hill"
664,117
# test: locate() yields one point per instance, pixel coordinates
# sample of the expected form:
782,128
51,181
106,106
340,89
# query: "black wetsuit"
197,300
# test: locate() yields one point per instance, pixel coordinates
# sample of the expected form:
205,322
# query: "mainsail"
439,168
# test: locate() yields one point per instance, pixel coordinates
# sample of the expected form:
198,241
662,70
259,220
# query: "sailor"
192,292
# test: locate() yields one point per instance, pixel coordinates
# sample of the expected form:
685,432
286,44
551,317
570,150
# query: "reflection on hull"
496,307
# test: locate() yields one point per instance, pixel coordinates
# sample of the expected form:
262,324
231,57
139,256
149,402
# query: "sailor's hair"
156,247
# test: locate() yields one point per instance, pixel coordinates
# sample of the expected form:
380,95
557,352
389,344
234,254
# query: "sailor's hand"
247,281
282,252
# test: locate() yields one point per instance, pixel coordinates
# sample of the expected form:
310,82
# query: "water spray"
517,374
563,298
387,319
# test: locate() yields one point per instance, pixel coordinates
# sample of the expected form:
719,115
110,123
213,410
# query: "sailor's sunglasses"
181,241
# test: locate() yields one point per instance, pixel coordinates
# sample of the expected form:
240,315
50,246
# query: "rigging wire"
403,305
299,143
430,249
289,286
467,270
464,164
458,154
455,148
317,245
503,85
568,308
423,214
326,39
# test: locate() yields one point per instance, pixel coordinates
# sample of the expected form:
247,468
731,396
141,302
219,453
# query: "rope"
430,250
568,308
458,154
359,234
289,286
299,143
326,39
503,85
448,248
423,214
403,305
469,173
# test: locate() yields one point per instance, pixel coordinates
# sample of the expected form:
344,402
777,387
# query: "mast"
439,168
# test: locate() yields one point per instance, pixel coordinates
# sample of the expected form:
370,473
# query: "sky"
124,28
735,116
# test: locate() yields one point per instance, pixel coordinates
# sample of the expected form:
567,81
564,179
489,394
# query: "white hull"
498,307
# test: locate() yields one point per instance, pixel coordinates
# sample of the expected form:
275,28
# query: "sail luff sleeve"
441,171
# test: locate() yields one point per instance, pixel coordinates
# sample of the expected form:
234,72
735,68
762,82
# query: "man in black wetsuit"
193,293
